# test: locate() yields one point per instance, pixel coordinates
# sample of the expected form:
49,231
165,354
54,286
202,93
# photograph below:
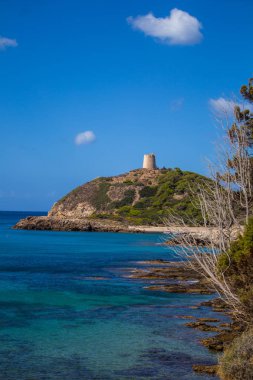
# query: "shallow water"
68,313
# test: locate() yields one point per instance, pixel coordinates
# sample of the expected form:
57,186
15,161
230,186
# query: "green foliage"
133,212
127,200
103,215
124,210
237,361
247,91
171,194
241,136
144,203
148,191
237,266
100,198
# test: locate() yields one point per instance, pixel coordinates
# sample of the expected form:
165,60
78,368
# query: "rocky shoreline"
53,223
171,277
179,277
50,223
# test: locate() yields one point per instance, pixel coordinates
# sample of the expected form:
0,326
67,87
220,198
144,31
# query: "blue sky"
135,75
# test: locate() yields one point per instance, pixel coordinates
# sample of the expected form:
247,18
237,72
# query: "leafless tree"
225,201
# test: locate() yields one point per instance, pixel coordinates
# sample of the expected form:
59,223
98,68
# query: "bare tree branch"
225,203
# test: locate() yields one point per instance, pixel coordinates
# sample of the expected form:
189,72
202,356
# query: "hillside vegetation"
140,197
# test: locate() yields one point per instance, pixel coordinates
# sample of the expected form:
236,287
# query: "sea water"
69,312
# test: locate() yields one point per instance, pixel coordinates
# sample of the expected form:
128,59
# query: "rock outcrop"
51,223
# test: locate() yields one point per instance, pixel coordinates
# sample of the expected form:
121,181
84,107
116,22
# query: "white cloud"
7,42
179,28
222,105
86,137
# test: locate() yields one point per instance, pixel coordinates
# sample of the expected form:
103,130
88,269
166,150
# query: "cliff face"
140,197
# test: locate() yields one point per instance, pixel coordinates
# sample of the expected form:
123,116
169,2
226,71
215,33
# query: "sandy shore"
175,229
199,233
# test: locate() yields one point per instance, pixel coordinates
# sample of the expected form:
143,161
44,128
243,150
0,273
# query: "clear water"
68,313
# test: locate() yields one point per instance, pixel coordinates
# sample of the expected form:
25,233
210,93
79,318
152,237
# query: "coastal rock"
217,305
171,277
202,326
208,369
63,224
220,341
179,288
192,240
208,320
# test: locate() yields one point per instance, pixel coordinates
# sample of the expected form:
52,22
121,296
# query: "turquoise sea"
68,313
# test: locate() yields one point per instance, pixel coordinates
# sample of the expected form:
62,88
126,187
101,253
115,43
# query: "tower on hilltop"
149,161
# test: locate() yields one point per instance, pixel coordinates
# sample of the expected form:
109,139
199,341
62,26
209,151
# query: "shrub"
128,182
134,212
100,199
237,360
143,204
148,191
124,210
126,201
237,266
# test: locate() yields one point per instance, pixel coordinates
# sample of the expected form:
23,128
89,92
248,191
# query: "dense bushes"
237,361
171,194
238,268
127,200
100,198
148,191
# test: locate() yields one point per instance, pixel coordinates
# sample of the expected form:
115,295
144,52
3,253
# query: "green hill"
140,197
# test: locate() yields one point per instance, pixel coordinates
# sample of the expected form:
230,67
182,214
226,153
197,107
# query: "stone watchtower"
149,161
